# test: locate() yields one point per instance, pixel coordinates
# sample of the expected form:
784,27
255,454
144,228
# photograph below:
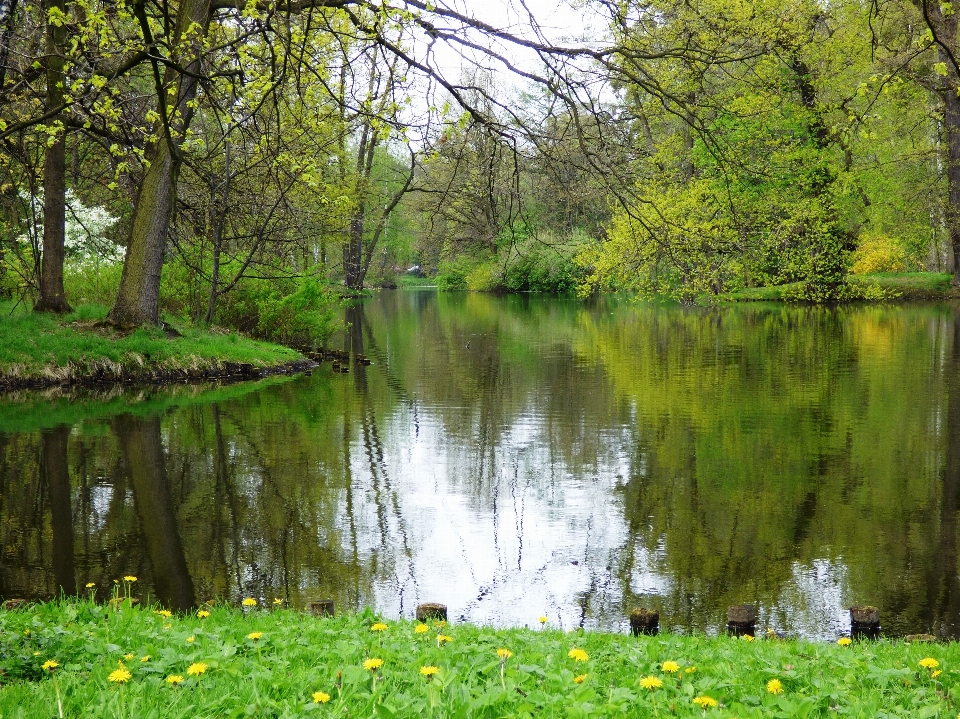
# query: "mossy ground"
899,285
69,347
269,662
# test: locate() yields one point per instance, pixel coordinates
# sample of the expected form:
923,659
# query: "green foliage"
452,276
878,253
283,664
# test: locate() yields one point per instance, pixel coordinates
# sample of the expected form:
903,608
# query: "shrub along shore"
41,350
77,658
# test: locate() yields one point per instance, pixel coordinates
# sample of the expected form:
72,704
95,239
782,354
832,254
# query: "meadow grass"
269,661
40,344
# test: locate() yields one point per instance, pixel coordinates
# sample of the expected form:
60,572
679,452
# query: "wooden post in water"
644,621
429,610
742,619
864,622
322,608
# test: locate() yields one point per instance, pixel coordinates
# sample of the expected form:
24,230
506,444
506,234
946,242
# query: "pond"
520,456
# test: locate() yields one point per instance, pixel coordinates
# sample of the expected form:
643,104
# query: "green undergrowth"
274,662
877,286
36,344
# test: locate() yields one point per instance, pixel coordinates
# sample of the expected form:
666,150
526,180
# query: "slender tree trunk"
951,131
218,219
52,296
138,299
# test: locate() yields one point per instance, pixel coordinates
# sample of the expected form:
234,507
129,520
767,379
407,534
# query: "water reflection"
514,456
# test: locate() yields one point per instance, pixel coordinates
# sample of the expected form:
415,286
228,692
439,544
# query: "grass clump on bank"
75,346
121,660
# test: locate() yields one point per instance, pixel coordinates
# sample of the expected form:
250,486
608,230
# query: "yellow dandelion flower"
372,664
690,670
203,614
130,579
579,679
191,639
542,620
196,669
249,602
651,682
429,671
935,673
671,667
128,656
747,637
26,633
440,624
378,627
277,602
119,676
929,663
421,629
164,613
174,679
774,686
50,665
145,658
321,697
91,585
844,641
254,635
578,655
705,702
443,639
504,653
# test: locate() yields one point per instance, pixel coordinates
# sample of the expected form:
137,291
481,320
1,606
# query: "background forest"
246,164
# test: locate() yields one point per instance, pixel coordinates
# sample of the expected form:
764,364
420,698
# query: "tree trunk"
217,235
138,300
951,131
52,296
57,478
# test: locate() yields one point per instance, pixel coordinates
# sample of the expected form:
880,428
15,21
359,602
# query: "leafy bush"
878,253
452,276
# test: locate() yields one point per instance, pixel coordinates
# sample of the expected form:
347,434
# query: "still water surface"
522,455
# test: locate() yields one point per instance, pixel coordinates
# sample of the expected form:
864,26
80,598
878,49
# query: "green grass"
275,673
37,345
901,285
407,281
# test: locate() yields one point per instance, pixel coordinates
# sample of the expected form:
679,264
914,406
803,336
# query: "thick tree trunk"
52,295
951,131
138,300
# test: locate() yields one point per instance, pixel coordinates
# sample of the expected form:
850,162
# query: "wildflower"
844,641
705,702
774,686
670,667
128,656
174,679
36,654
191,639
203,614
91,585
690,670
120,676
254,635
145,658
542,620
277,602
249,602
747,637
651,682
164,613
130,579
372,664
440,624
579,678
578,655
443,639
421,628
50,665
929,663
167,626
935,673
196,669
428,671
26,633
504,654
378,627
321,697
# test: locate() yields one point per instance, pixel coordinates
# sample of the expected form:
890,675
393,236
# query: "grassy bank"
273,662
42,349
896,286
